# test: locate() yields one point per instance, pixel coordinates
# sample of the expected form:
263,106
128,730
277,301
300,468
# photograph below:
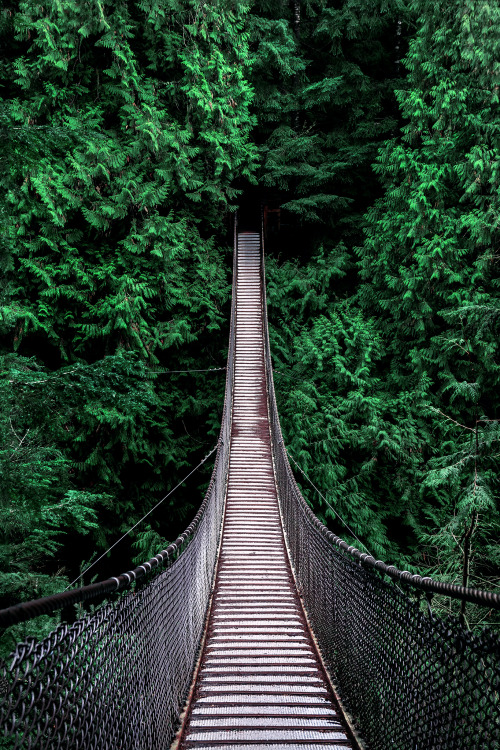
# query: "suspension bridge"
258,627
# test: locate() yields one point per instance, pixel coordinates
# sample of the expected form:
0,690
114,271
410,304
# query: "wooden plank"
260,682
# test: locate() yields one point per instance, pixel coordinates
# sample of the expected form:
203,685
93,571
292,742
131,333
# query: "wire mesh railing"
410,680
118,677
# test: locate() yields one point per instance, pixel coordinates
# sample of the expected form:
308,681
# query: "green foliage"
38,502
148,543
341,423
323,86
129,132
430,272
125,127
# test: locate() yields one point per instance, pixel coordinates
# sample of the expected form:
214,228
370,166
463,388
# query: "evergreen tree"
431,270
135,118
321,130
320,127
352,436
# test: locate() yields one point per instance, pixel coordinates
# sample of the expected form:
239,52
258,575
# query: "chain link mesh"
411,681
118,678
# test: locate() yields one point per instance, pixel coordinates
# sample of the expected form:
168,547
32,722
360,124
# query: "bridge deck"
260,683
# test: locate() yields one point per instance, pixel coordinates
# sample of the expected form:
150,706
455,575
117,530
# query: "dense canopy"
131,132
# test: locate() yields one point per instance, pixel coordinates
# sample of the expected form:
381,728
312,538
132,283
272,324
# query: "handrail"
426,584
46,605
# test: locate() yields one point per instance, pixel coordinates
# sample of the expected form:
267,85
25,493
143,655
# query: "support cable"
331,507
326,501
169,372
142,519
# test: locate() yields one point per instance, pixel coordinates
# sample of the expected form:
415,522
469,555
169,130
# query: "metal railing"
411,680
118,677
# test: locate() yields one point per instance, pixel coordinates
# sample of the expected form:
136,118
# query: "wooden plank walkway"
260,683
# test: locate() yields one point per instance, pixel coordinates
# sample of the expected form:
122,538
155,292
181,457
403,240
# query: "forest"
132,131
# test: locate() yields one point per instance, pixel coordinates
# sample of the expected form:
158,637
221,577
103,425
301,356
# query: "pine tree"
429,261
136,119
321,126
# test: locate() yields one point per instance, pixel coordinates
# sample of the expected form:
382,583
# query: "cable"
326,501
142,519
79,367
332,508
211,369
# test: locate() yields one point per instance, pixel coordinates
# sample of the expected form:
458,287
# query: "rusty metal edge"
186,711
358,743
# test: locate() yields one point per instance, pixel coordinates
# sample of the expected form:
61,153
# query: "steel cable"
411,680
118,677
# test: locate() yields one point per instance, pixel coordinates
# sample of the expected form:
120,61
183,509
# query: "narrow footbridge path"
209,645
260,682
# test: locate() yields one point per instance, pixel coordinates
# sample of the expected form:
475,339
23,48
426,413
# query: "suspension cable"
142,519
326,501
169,372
